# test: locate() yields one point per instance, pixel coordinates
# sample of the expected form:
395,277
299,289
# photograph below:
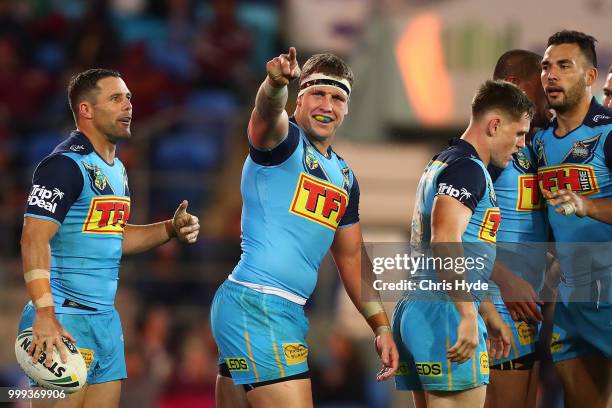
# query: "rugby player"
521,250
441,335
300,199
75,231
574,153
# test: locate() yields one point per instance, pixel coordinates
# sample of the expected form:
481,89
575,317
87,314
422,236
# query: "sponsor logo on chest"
576,177
529,197
107,215
318,201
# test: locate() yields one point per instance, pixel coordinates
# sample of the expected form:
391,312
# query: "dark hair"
520,63
504,96
82,84
585,42
329,64
610,70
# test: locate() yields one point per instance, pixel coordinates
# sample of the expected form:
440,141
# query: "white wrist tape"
45,300
369,309
36,274
273,92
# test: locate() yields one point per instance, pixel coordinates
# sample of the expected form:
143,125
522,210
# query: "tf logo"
107,215
318,201
490,225
576,177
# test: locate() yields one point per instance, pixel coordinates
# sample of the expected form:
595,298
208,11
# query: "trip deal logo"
449,190
318,201
44,198
107,215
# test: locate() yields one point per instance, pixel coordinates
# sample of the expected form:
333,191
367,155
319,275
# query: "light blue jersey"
459,173
294,199
425,323
521,240
90,201
580,161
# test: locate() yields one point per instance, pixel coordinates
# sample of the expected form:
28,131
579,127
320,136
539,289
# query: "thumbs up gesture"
186,226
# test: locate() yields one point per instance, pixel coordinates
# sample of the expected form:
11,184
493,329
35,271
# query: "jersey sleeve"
351,216
56,185
280,153
463,180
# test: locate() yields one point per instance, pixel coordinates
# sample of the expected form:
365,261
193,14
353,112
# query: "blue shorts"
581,328
424,330
524,335
99,338
261,337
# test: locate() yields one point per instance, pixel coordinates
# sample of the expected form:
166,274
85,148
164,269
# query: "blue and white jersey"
90,201
458,172
523,231
294,199
579,161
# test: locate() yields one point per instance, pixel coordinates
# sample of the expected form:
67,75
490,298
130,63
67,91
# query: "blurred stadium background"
194,67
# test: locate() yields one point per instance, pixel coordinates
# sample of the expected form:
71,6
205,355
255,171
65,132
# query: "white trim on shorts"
269,290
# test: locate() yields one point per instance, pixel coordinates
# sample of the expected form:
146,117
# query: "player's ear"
85,110
493,126
591,76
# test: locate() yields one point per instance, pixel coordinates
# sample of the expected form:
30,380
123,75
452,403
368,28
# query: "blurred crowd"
193,68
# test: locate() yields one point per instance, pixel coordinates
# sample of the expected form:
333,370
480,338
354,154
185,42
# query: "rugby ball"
69,377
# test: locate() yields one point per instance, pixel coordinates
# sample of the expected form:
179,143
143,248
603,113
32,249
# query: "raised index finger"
292,54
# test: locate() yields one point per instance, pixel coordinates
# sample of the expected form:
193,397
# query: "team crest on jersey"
98,180
492,196
582,151
311,159
540,155
311,163
318,201
346,179
522,163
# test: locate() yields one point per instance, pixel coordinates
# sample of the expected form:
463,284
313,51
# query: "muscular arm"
599,209
36,254
36,260
269,122
140,238
356,272
357,276
449,219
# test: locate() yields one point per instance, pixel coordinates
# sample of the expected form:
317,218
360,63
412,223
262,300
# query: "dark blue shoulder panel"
280,153
56,185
